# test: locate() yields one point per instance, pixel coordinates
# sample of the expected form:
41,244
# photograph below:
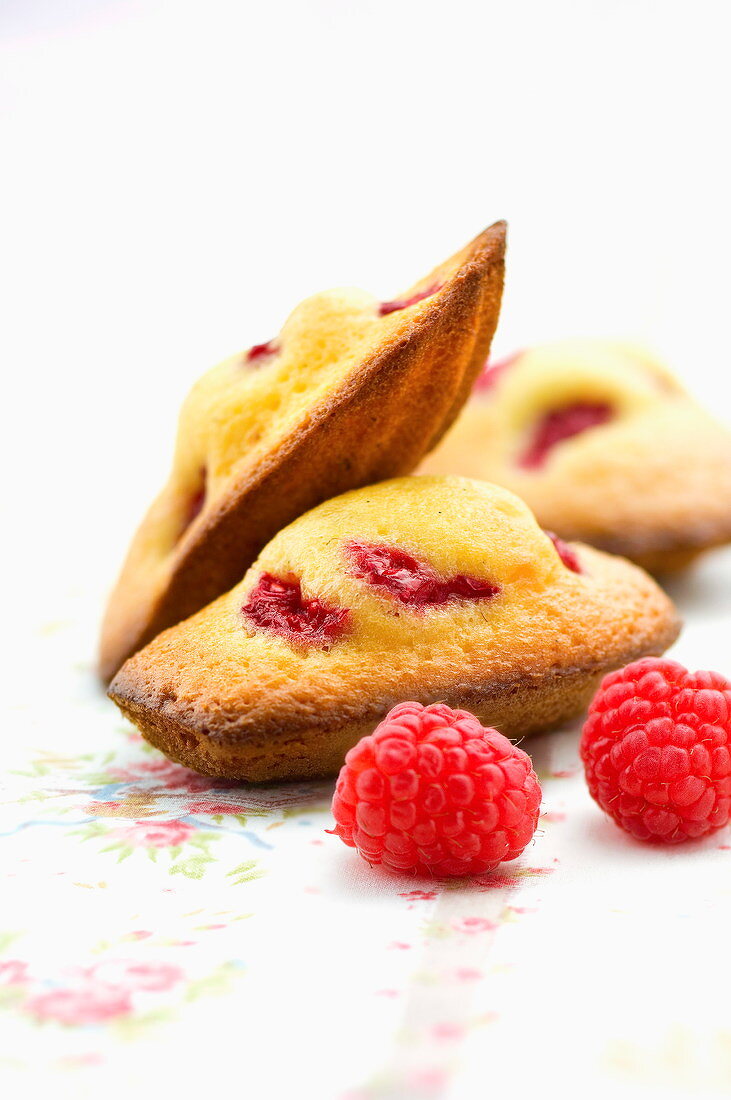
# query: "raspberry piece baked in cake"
604,445
428,589
351,391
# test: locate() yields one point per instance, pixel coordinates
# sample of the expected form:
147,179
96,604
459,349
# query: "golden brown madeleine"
352,390
431,589
604,445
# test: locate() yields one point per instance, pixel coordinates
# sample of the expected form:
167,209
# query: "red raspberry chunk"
655,748
493,372
568,556
404,303
410,581
432,791
195,505
560,424
260,352
279,606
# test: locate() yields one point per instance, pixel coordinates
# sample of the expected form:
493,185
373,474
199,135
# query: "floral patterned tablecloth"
162,932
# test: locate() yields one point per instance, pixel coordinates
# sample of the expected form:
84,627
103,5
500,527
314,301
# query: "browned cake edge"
307,748
659,551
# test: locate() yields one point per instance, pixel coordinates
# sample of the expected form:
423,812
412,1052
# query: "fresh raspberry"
432,791
656,750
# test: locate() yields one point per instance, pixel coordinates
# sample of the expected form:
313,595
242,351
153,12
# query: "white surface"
177,175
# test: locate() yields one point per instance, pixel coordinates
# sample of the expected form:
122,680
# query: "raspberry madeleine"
421,588
605,446
351,391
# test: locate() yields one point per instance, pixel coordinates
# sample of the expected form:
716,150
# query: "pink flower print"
183,779
497,882
155,834
473,924
468,974
171,776
13,972
419,895
448,1030
105,809
209,807
142,767
74,1061
134,976
429,1080
86,1004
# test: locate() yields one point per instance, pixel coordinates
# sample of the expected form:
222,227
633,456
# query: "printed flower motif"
135,806
473,924
106,809
155,834
419,895
468,974
448,1030
13,972
86,1004
158,767
186,844
129,975
210,807
506,881
169,776
129,805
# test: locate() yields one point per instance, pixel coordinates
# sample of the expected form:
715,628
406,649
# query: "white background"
176,176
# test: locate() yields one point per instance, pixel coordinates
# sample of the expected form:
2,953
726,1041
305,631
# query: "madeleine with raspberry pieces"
434,792
606,447
431,589
656,750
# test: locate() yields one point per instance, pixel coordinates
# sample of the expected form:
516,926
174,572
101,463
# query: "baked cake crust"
652,484
385,412
232,700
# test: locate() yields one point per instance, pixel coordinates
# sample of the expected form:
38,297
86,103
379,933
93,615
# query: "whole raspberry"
656,750
432,791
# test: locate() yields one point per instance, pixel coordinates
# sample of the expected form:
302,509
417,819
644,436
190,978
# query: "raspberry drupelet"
655,749
432,791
